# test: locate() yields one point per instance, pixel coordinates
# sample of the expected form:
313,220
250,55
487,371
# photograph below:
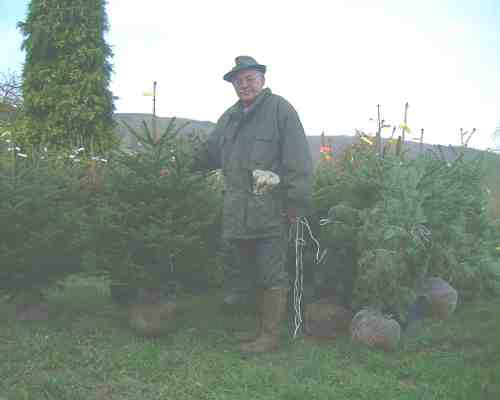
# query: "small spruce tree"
157,221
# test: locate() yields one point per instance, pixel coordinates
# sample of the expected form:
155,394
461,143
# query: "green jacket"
269,136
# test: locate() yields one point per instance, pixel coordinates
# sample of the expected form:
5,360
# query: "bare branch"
10,89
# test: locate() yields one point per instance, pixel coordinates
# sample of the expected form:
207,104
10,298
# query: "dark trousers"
261,263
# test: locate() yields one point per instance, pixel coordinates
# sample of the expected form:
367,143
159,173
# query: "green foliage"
354,180
142,218
392,224
393,239
157,222
455,202
341,190
66,75
40,219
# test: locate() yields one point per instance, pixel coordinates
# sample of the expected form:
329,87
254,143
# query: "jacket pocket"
264,151
263,212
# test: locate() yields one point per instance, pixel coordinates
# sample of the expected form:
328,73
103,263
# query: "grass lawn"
86,351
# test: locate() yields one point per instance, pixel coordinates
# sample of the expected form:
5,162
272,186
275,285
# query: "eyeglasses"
250,80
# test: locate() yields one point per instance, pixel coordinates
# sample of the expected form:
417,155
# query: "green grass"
86,351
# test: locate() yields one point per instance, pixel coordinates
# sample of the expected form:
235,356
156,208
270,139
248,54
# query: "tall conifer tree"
66,75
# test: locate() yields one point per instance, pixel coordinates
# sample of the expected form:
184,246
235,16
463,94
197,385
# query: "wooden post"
421,144
14,151
379,132
398,147
404,129
153,121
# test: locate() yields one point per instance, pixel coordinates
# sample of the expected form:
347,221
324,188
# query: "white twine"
299,277
301,227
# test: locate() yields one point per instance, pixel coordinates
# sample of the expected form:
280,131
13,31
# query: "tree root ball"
326,318
152,320
441,298
372,328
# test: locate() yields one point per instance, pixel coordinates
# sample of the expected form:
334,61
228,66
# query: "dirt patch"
32,312
104,392
409,383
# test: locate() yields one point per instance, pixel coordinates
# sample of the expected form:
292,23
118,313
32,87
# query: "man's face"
248,84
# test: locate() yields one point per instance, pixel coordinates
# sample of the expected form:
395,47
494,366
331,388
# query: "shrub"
392,224
342,189
456,207
40,219
157,221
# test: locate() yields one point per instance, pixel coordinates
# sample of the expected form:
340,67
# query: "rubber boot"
249,336
274,302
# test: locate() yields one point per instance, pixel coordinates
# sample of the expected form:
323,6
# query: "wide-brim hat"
242,63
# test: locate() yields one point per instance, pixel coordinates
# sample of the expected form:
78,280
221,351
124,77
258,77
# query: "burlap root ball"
152,320
441,298
372,328
326,318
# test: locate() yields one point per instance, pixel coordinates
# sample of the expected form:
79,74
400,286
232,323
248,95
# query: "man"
261,147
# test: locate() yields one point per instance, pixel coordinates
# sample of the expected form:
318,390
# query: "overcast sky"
333,60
